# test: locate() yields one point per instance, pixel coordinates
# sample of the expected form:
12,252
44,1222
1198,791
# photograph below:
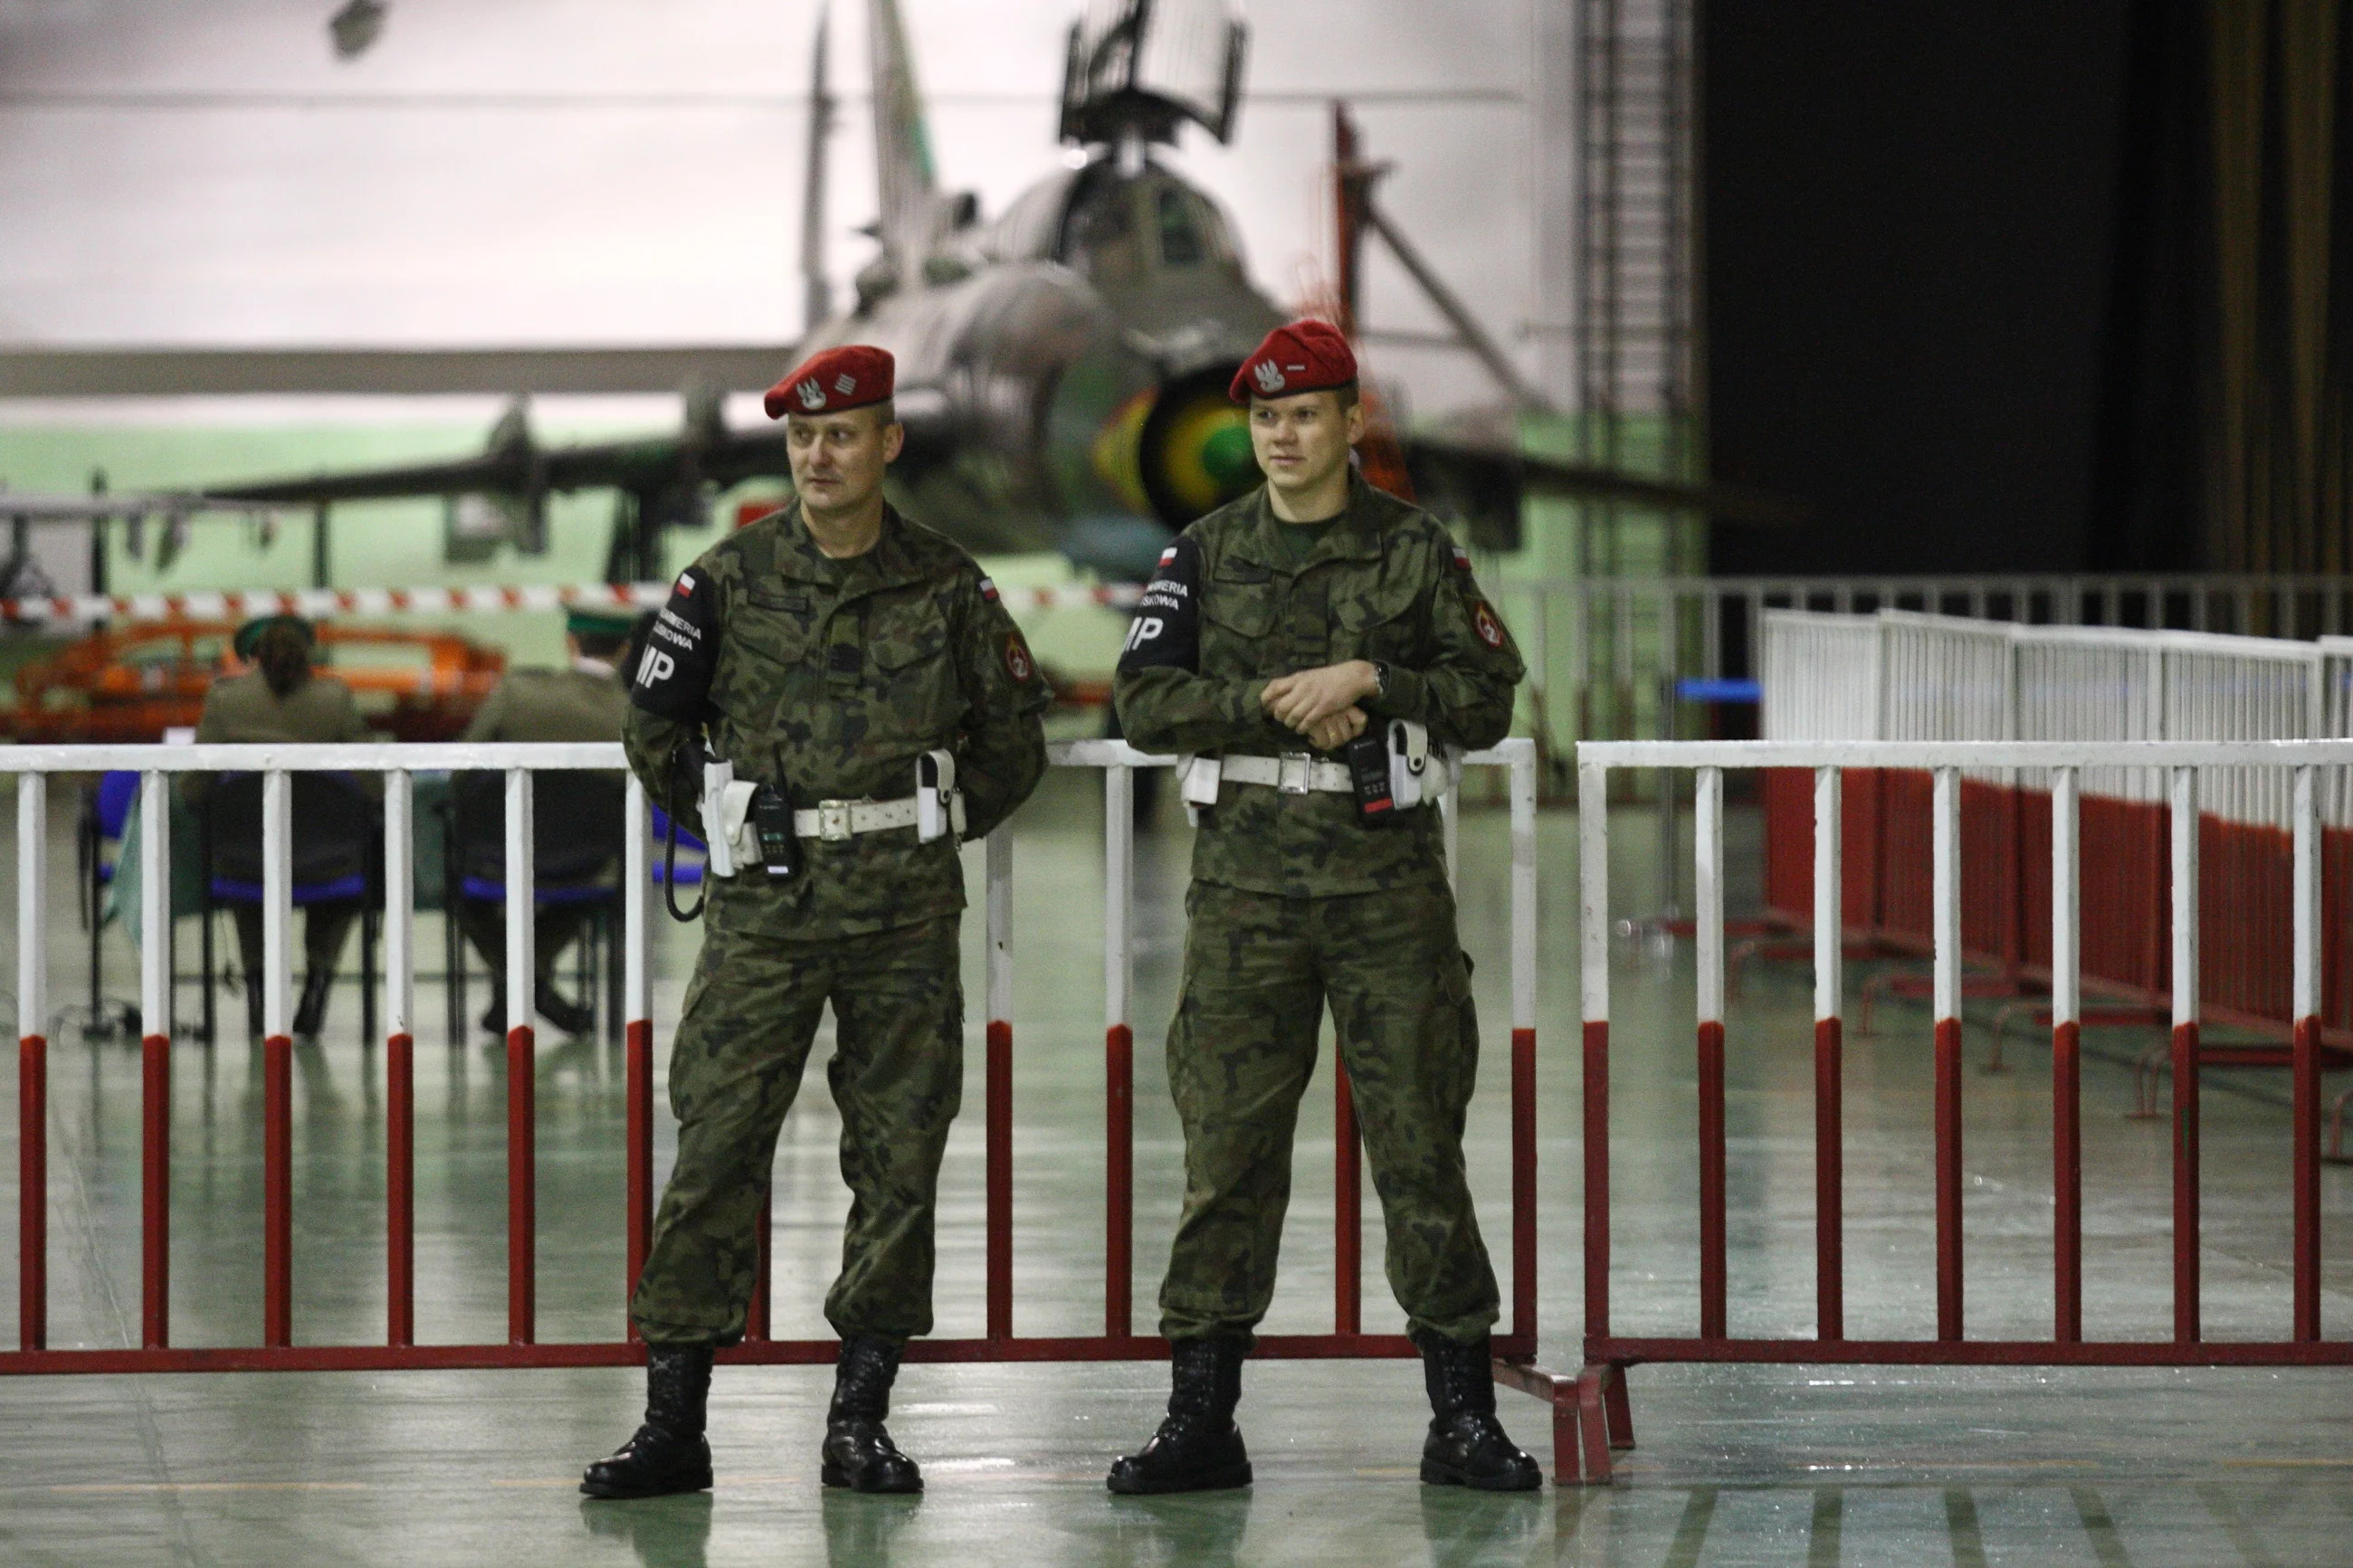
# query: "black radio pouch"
1368,757
686,761
771,819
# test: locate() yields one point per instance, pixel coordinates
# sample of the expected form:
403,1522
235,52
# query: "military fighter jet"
1061,368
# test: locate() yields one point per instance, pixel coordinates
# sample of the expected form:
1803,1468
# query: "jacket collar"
1358,534
891,564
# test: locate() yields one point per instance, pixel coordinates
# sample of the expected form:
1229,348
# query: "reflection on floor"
1807,1466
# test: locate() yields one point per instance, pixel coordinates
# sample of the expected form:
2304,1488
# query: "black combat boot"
669,1453
310,1013
1466,1447
1197,1449
857,1452
574,1018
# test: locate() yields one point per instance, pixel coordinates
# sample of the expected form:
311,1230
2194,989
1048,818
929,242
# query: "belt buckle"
1293,773
833,820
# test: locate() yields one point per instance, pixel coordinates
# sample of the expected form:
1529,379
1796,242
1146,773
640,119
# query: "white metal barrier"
2297,765
398,765
1941,678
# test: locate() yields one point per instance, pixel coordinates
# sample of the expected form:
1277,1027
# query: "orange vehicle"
132,683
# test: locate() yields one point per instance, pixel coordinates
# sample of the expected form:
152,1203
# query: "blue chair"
335,856
576,825
106,808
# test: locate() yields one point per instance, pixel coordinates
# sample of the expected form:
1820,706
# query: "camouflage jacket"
831,677
1225,614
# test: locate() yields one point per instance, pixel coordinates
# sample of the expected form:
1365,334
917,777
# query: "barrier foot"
1588,1413
1617,1408
1591,1391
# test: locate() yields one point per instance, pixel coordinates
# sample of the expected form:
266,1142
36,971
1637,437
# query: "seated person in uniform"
269,693
583,701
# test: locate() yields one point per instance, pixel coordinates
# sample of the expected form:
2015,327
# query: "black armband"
681,652
1167,628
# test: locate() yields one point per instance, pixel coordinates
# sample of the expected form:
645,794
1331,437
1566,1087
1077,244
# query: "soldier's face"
1302,441
838,459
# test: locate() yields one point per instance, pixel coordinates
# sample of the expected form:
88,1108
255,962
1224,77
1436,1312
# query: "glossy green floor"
1809,1465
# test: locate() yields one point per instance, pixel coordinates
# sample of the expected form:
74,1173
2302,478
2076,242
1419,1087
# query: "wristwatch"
1380,678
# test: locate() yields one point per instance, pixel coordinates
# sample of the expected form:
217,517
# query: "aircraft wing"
648,463
491,474
81,509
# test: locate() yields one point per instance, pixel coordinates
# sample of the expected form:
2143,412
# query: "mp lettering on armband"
681,652
1166,632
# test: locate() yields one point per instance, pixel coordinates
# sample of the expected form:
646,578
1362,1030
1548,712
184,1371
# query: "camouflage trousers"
897,1075
1259,969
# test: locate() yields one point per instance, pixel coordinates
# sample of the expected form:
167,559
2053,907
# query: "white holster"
726,820
939,804
1410,780
1198,778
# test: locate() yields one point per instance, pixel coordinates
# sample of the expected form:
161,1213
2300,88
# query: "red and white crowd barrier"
2292,770
278,1350
318,603
1905,676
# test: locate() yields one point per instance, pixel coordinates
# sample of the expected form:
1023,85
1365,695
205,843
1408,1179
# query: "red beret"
832,380
1305,356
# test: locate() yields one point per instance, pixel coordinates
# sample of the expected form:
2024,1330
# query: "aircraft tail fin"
902,143
817,294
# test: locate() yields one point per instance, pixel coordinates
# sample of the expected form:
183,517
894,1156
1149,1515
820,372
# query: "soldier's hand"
1307,697
1337,731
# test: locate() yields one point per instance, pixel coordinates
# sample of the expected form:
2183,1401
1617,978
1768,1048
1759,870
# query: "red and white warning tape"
210,605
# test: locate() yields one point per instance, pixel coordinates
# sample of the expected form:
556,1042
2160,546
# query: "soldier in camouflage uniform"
824,650
1274,630
583,701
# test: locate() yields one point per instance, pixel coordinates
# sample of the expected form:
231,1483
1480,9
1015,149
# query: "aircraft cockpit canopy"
1117,230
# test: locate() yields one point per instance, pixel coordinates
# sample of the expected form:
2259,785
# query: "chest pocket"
1375,621
1237,613
765,640
913,686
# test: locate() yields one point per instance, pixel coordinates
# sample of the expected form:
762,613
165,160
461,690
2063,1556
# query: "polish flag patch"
1461,559
989,590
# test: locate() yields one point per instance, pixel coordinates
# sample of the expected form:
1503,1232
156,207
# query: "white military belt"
1293,773
835,820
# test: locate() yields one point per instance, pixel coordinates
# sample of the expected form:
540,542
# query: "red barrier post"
1523,1048
637,1034
32,1193
32,1061
155,1061
1119,1052
1711,1180
1523,1185
1119,1181
639,1068
522,1075
1830,1077
399,1061
2184,824
2304,1121
400,1189
1707,885
999,1092
278,1190
2066,1066
758,1324
522,1184
1945,893
1593,952
277,1060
